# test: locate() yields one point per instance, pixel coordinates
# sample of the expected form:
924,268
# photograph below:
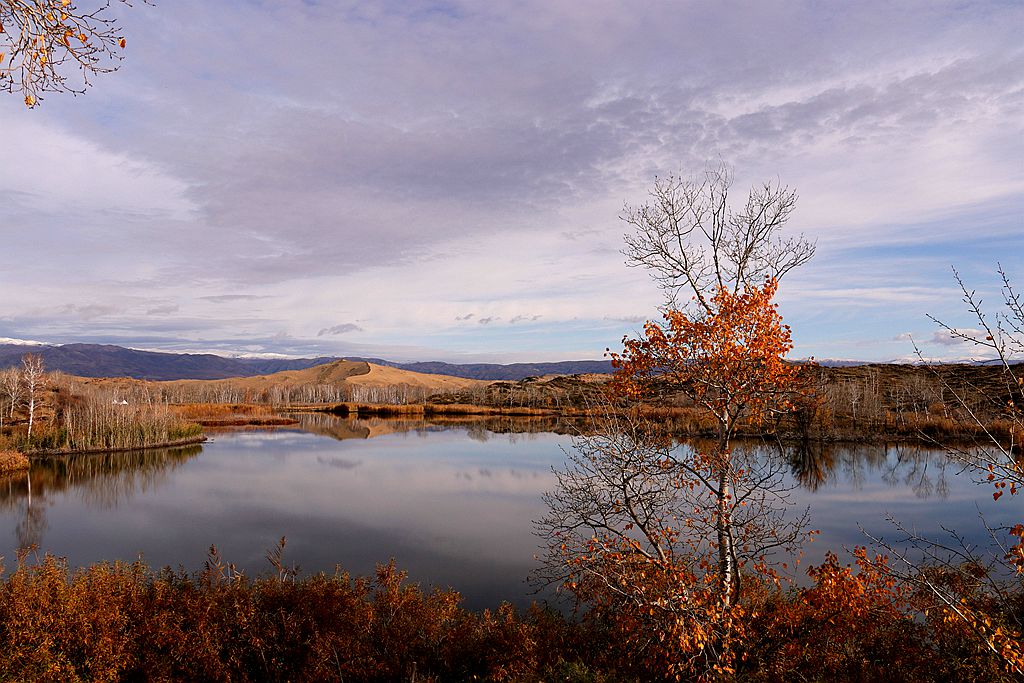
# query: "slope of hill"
334,373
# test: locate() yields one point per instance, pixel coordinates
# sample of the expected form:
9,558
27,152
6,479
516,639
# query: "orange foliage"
120,621
851,624
679,531
729,361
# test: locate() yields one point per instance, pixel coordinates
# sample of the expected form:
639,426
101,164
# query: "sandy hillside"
338,372
380,376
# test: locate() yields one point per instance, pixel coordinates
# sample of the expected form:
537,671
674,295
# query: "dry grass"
12,461
209,411
232,415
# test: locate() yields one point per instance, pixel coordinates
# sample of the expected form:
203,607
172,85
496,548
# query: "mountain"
106,360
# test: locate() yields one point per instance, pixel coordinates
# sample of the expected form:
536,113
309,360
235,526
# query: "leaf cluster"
41,40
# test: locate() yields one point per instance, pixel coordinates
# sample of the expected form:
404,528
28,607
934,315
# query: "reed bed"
89,418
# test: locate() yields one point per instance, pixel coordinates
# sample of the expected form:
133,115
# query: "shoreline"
929,435
49,453
283,416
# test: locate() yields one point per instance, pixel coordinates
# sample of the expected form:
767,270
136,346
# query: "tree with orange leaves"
658,535
42,40
730,361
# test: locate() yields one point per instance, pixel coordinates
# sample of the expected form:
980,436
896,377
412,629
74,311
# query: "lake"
453,503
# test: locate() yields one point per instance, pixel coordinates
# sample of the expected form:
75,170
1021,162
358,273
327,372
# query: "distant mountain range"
105,360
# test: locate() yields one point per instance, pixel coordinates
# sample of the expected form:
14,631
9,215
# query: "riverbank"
174,443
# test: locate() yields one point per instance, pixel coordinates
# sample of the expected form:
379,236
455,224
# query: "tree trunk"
31,413
726,555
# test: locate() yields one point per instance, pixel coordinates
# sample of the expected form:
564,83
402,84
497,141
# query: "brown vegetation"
232,415
127,622
858,403
60,414
121,622
12,461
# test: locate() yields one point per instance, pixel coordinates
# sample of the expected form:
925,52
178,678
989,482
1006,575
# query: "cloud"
232,298
468,316
165,309
343,328
958,337
339,463
489,320
524,318
87,311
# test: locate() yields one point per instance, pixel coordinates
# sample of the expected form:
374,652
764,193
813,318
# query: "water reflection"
478,428
924,471
452,499
100,480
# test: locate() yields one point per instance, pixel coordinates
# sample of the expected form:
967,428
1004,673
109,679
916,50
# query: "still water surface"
452,503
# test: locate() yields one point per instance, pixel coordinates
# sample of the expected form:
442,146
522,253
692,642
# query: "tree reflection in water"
923,470
102,480
812,464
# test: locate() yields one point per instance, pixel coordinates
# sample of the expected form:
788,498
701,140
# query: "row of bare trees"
62,414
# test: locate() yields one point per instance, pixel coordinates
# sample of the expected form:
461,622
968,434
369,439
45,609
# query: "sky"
444,180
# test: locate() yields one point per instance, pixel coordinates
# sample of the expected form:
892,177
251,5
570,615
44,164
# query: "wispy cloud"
524,318
343,328
232,298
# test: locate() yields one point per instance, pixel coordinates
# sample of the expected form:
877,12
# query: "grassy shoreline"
54,453
689,422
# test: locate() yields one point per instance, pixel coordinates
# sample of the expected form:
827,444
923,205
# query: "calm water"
453,504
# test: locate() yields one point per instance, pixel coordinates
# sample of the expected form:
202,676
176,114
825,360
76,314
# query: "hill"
336,373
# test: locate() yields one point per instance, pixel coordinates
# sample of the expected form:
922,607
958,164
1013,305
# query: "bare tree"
1001,336
691,239
980,588
10,389
633,529
42,41
33,377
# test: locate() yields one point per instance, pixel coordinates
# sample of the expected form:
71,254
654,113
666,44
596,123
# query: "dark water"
453,504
